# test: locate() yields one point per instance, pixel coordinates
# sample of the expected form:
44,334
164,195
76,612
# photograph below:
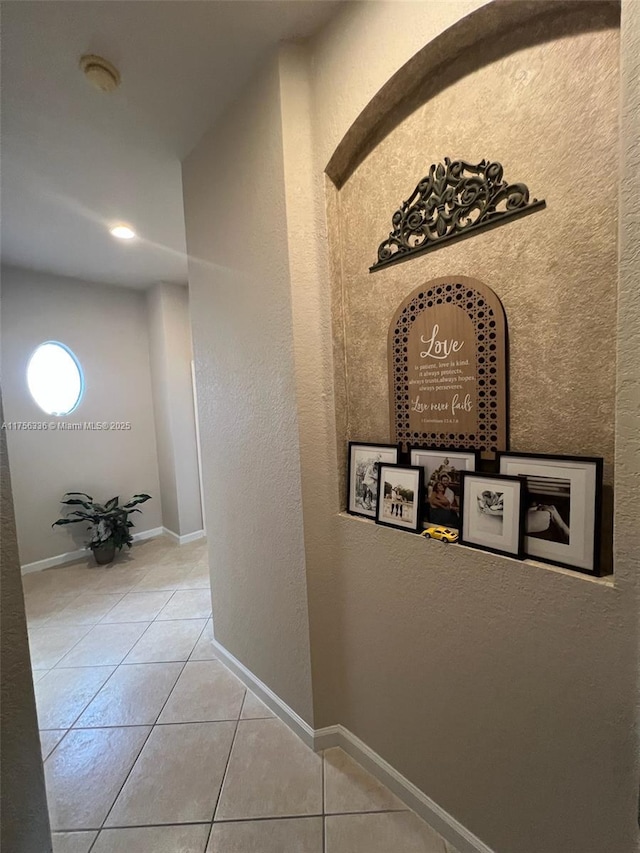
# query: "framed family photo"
564,507
442,482
400,496
362,475
492,513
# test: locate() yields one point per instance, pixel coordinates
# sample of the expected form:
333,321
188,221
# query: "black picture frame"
445,452
517,550
418,490
582,555
352,494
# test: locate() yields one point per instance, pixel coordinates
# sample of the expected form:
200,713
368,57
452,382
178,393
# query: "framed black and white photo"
492,513
442,480
564,506
400,496
362,475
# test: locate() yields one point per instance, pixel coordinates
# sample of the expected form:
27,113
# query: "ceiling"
75,160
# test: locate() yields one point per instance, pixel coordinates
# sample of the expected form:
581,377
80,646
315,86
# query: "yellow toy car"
444,534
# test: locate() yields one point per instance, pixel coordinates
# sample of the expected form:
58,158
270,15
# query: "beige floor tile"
185,555
76,578
51,643
197,578
271,773
33,583
449,847
400,832
85,773
133,696
38,674
131,561
162,578
35,622
121,578
187,604
350,788
57,581
138,607
63,694
167,641
72,842
42,606
254,709
177,776
49,740
206,691
154,839
149,549
86,609
105,645
171,555
204,648
298,835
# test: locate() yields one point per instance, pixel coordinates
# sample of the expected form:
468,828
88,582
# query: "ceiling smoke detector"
100,72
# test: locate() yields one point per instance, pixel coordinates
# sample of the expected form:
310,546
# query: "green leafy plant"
109,523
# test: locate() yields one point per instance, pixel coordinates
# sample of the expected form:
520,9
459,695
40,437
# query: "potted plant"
110,524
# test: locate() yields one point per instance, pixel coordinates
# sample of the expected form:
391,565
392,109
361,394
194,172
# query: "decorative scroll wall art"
455,200
447,367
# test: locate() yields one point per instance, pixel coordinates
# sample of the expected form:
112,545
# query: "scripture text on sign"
447,367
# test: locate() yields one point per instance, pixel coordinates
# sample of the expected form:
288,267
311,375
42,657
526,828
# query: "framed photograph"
362,475
564,506
492,512
400,496
442,468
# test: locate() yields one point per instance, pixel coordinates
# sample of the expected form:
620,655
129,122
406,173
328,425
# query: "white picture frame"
442,509
492,513
399,502
362,475
562,520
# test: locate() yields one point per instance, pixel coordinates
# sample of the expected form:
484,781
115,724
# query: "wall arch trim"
451,56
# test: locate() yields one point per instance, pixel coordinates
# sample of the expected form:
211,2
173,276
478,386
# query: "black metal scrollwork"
452,202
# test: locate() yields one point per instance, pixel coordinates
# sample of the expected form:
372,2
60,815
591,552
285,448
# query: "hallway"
151,745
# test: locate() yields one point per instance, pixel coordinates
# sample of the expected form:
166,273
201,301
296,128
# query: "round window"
55,379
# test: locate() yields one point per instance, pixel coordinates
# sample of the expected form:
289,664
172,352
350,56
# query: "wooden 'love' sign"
447,367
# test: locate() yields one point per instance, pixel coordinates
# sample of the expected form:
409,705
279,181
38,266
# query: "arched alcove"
538,91
493,31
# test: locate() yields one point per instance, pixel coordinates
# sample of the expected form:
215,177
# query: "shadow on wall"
485,36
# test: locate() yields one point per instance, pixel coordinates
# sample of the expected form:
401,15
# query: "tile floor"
152,746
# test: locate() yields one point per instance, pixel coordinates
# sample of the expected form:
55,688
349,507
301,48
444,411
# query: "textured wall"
503,690
627,510
106,328
360,49
170,352
242,333
555,271
25,820
485,680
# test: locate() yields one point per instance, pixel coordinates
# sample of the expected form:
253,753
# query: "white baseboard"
72,556
148,534
50,562
270,699
188,537
448,827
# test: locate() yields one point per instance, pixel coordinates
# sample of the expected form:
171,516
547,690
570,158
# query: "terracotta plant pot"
105,553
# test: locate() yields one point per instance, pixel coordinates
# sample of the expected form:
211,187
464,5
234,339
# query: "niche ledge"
606,581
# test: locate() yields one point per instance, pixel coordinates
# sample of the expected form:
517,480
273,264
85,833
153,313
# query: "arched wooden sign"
447,367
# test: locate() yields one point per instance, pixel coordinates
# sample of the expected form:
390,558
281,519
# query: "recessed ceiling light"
123,232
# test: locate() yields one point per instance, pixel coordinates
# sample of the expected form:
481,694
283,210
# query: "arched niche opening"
534,86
